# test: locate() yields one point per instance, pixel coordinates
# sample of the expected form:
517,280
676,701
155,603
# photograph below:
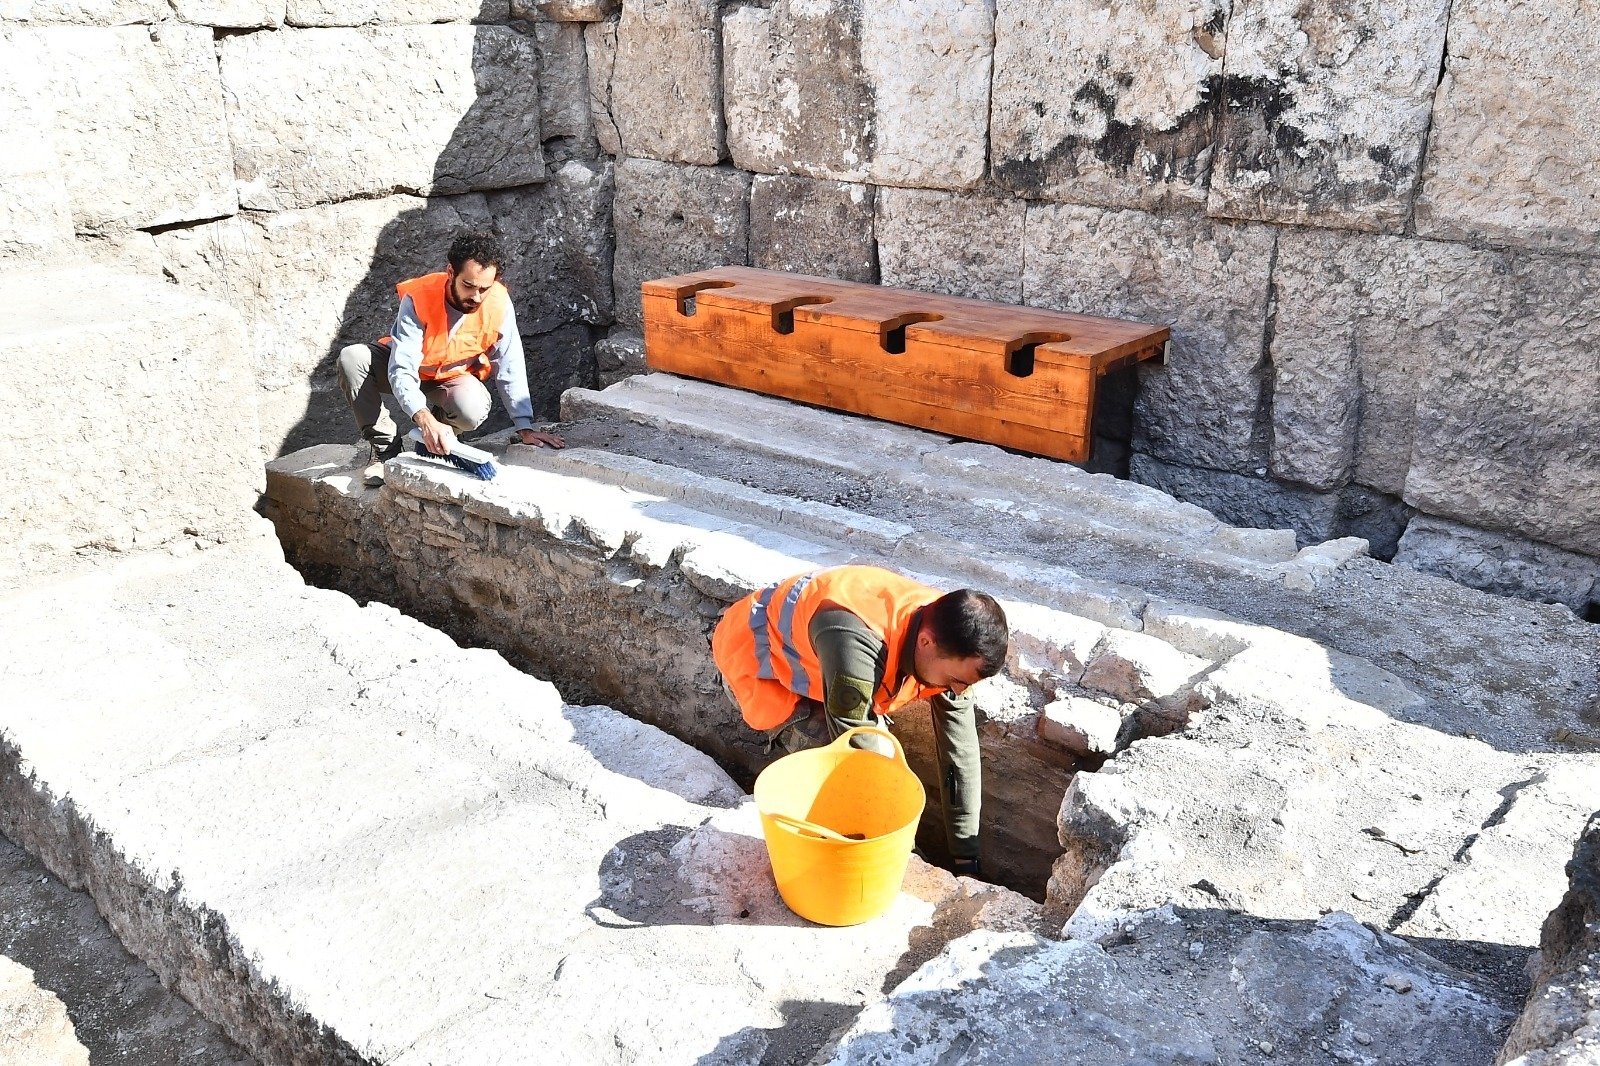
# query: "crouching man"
827,651
455,330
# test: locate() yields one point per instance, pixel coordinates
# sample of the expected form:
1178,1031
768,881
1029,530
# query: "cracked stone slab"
1186,986
1111,106
887,91
1511,155
1326,114
139,130
329,114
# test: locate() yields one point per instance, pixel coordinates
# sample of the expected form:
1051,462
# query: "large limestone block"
1359,321
1507,430
325,115
152,437
35,217
564,115
952,243
1208,281
664,89
808,226
310,281
1495,562
600,52
1326,118
1112,105
394,12
83,12
566,10
139,128
231,14
1197,986
890,91
675,220
1516,128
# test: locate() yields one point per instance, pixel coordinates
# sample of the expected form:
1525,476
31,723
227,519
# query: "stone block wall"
1372,231
297,158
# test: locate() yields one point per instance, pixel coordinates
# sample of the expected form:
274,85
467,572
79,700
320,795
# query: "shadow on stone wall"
468,191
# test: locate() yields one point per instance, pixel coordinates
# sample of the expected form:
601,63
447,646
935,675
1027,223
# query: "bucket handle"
800,825
899,752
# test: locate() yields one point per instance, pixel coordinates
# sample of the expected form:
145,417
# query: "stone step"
1517,673
342,836
1026,491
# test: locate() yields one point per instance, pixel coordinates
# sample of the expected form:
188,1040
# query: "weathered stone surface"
310,281
619,355
139,128
1242,499
600,50
1359,320
559,360
565,10
1507,430
325,13
1083,727
1376,517
438,109
558,238
1558,1026
1107,106
565,120
807,226
886,91
1511,155
1133,668
945,242
1206,280
131,448
34,1027
1194,987
83,12
673,220
117,1007
1496,562
1288,804
663,84
1326,117
35,217
231,14
564,873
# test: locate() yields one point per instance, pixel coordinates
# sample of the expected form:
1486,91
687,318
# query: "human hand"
539,439
437,436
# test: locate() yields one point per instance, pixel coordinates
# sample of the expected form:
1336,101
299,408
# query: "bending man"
454,331
823,652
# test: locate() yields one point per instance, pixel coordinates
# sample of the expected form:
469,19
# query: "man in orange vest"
455,330
830,650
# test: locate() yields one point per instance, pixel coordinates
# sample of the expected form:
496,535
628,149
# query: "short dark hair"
480,247
967,622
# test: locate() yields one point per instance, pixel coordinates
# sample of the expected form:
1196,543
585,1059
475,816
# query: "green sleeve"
955,727
852,658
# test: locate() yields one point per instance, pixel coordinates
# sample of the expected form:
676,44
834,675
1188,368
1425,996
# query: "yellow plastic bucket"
840,823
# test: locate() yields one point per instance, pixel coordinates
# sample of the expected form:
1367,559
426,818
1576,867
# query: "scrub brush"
475,461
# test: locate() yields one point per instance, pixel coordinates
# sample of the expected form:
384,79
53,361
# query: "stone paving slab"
340,835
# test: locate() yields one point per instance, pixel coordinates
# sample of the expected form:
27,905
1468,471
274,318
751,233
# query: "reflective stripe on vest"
799,682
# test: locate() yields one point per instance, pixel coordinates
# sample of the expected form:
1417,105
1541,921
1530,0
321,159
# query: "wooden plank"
941,363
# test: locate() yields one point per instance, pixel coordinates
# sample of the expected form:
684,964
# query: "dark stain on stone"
1179,155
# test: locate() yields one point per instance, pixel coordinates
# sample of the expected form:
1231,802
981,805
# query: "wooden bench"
1020,377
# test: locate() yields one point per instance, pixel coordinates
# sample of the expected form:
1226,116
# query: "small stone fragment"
1398,982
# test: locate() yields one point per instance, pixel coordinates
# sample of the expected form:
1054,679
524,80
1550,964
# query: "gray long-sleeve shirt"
854,662
510,374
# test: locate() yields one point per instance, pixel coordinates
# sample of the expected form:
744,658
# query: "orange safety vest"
447,354
762,645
